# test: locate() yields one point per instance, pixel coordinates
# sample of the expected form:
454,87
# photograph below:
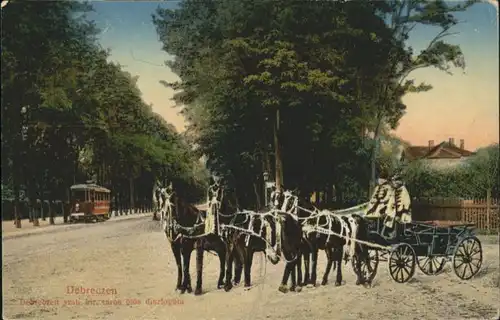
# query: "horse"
291,242
276,233
183,224
215,237
256,233
313,221
183,217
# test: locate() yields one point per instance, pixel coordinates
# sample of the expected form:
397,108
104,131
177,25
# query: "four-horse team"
292,230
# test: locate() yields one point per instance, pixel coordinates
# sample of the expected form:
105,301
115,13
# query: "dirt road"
132,262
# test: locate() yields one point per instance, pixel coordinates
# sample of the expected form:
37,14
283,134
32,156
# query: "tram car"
89,203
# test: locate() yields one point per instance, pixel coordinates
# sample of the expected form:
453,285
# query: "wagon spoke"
463,273
471,270
403,271
474,245
475,252
431,265
400,271
427,261
404,251
460,252
468,247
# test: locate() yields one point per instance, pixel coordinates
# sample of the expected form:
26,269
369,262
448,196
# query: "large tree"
394,81
62,99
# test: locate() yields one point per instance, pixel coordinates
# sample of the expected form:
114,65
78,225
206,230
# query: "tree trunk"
277,153
339,196
257,195
373,160
34,212
42,201
16,171
51,212
131,191
65,212
326,197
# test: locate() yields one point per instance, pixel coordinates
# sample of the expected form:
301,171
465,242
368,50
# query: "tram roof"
89,186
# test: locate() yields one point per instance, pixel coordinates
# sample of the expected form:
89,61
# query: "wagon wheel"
368,266
431,265
468,258
402,261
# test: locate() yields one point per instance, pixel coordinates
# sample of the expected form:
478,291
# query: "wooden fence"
478,211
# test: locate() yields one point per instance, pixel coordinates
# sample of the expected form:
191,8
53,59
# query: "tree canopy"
301,89
69,114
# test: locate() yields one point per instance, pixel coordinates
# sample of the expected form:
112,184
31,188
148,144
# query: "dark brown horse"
183,220
276,233
243,244
219,239
185,232
320,231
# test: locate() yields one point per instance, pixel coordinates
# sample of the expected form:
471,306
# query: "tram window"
79,196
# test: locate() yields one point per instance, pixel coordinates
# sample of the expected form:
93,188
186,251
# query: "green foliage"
484,172
84,115
477,177
242,61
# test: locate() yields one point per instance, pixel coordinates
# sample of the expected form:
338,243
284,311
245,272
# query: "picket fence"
485,216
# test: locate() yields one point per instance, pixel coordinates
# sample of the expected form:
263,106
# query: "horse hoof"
283,288
338,283
324,282
182,291
189,290
298,289
220,285
236,283
228,287
292,289
197,292
358,282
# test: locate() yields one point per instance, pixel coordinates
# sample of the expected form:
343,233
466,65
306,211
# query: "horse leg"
299,269
294,286
361,256
338,257
199,267
307,277
186,257
248,266
224,258
314,265
176,250
286,274
228,285
329,257
238,269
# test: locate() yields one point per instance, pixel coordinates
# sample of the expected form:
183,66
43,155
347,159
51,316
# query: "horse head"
290,202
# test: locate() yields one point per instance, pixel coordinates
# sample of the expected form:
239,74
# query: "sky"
464,105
